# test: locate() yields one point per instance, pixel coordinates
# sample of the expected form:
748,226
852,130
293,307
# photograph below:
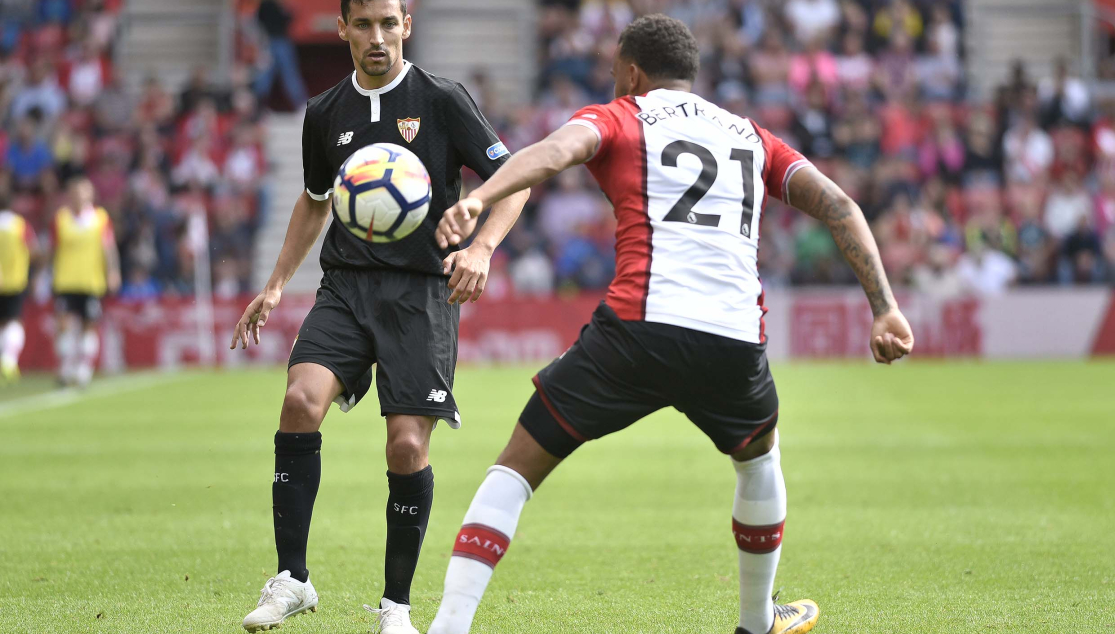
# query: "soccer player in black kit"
387,304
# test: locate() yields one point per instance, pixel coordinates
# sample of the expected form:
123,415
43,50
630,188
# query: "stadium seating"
965,192
154,157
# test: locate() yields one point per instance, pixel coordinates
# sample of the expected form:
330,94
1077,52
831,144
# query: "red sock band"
482,543
757,540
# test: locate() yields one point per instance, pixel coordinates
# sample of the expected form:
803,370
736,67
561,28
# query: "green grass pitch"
925,497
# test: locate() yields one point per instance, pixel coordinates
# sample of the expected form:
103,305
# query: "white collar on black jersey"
379,91
374,93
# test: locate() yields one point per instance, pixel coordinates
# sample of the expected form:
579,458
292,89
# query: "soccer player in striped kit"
682,325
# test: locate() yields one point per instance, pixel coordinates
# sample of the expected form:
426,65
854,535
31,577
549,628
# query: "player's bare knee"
301,413
761,446
407,452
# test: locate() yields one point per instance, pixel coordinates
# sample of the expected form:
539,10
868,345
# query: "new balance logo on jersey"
346,138
437,396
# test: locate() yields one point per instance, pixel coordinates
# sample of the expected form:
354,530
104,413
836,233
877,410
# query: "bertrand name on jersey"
693,109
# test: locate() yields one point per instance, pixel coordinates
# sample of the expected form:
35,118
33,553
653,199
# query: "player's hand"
470,273
255,317
891,337
458,222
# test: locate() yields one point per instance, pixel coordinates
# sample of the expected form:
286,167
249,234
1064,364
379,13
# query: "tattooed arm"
814,193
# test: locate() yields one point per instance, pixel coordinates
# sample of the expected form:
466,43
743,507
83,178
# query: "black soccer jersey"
431,116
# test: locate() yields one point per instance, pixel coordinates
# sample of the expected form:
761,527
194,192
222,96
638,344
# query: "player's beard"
373,69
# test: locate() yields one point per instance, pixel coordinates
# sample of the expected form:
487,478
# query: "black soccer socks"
408,512
297,475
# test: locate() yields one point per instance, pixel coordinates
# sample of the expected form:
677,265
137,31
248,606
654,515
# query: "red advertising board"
801,324
826,326
166,334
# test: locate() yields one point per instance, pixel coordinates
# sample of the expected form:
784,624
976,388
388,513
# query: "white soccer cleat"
394,618
282,596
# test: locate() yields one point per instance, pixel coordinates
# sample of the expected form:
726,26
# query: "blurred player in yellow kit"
86,266
17,249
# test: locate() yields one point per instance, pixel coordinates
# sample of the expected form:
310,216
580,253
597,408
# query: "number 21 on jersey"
683,209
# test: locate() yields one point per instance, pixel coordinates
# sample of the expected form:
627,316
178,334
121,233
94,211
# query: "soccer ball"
381,193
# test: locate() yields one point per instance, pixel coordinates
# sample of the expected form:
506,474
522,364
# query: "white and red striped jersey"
688,181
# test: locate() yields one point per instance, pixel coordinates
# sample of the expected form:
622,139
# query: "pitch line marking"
113,386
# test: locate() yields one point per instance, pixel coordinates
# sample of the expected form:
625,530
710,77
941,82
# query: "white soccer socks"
11,344
487,531
90,345
65,348
758,514
77,352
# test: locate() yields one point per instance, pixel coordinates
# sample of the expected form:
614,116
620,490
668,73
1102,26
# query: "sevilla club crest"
409,128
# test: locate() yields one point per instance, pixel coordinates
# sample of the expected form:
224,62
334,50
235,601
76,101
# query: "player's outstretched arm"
306,223
470,266
567,146
814,193
506,191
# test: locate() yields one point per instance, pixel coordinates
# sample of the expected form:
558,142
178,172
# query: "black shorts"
11,306
88,307
399,321
620,371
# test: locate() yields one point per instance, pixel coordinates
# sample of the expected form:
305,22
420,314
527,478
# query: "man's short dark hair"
346,3
662,46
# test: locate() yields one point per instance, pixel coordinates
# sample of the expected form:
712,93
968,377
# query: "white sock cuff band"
514,474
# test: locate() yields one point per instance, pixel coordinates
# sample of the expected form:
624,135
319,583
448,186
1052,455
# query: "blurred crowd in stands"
156,157
962,195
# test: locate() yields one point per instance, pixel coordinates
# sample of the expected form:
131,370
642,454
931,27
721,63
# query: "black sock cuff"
411,483
297,444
